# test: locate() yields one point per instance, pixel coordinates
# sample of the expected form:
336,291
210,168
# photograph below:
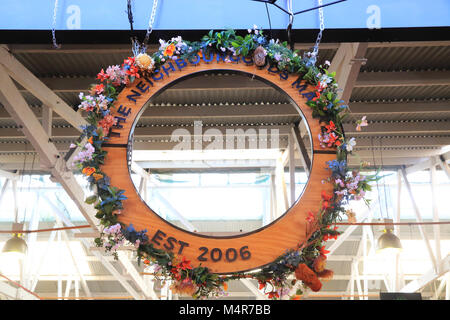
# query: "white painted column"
436,227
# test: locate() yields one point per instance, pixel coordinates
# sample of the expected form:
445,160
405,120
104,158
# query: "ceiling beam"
27,79
126,49
404,141
11,292
428,277
403,79
155,130
356,79
49,156
417,127
158,112
346,63
400,153
359,109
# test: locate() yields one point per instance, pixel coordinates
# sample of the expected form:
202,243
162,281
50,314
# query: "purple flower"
339,182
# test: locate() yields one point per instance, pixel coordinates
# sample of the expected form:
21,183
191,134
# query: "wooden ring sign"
220,254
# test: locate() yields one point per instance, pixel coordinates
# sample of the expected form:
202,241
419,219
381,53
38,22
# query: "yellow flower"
144,61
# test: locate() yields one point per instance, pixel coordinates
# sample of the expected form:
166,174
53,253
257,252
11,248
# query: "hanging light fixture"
388,241
16,246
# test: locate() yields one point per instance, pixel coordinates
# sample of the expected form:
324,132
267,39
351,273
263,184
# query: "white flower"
350,144
326,79
163,44
144,61
327,63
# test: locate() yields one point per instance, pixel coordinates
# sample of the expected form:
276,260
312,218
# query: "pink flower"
106,123
361,123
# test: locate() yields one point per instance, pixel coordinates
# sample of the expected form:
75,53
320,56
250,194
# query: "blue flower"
105,112
133,236
338,167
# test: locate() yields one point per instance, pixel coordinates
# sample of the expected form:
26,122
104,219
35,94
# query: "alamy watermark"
226,138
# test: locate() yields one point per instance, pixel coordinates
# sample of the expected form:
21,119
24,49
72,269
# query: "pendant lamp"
388,241
15,246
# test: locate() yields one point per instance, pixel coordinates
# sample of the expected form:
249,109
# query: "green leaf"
91,199
99,215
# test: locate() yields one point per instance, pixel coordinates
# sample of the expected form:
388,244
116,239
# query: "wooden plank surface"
264,244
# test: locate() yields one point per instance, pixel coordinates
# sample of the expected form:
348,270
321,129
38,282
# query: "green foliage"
326,106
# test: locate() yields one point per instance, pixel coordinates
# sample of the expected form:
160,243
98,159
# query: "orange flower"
88,171
325,196
317,96
200,54
323,251
319,263
330,127
185,287
311,217
170,49
273,294
308,277
91,140
97,176
262,285
326,274
99,88
184,264
225,286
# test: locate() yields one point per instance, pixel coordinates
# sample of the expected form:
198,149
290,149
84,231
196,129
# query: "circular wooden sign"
221,254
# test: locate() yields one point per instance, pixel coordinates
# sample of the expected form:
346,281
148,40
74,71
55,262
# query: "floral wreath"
306,262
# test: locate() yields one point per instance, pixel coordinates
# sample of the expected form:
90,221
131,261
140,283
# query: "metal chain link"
291,22
321,27
150,22
55,10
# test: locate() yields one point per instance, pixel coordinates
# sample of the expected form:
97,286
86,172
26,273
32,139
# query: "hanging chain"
291,22
150,22
55,10
138,47
29,187
321,27
380,206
